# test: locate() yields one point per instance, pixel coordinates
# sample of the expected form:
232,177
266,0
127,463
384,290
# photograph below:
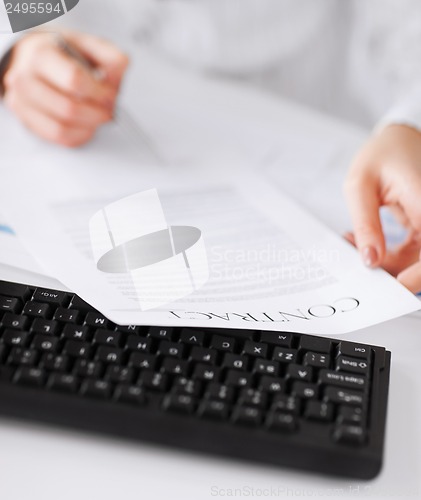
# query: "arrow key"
298,372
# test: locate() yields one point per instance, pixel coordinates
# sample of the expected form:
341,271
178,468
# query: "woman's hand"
56,96
387,172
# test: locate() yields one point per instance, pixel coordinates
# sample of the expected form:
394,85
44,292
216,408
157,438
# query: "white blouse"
357,59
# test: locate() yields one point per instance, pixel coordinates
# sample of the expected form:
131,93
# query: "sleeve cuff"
407,111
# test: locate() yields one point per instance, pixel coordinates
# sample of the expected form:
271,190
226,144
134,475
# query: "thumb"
102,54
411,277
364,204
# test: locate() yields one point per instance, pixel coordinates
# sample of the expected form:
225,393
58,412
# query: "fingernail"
370,256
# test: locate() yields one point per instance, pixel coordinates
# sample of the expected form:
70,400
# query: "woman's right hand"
56,96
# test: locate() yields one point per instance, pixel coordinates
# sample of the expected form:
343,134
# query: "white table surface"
42,463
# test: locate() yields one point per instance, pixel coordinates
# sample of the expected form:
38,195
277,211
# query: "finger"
72,78
350,238
38,94
411,204
411,278
102,54
402,257
364,202
47,127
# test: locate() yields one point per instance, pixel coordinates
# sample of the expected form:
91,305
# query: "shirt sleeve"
398,42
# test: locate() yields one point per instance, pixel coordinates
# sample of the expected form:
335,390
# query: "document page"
239,253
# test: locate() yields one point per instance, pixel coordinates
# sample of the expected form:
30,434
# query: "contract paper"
272,266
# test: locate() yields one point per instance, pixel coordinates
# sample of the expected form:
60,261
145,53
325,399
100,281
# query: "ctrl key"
280,421
130,394
32,377
350,434
179,403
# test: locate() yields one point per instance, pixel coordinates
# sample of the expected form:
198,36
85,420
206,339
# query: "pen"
121,115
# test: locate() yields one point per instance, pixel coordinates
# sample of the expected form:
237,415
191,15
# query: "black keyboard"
280,398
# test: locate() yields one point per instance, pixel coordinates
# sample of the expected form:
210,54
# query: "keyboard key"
77,349
235,361
354,350
63,382
36,309
281,339
153,381
130,329
3,352
220,392
304,390
350,434
32,377
353,365
215,410
183,385
66,315
109,354
179,403
315,344
99,389
350,415
76,332
119,374
15,338
22,292
265,367
174,366
136,343
284,355
97,320
226,344
238,379
280,421
255,349
79,304
108,337
161,333
192,337
86,368
131,394
317,410
14,321
44,326
284,403
246,415
272,384
6,373
53,297
317,360
142,361
351,381
23,357
343,396
172,349
45,343
201,355
10,304
206,373
55,362
234,333
253,397
299,372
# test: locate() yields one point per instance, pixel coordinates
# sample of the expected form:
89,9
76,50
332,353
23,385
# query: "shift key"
348,380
